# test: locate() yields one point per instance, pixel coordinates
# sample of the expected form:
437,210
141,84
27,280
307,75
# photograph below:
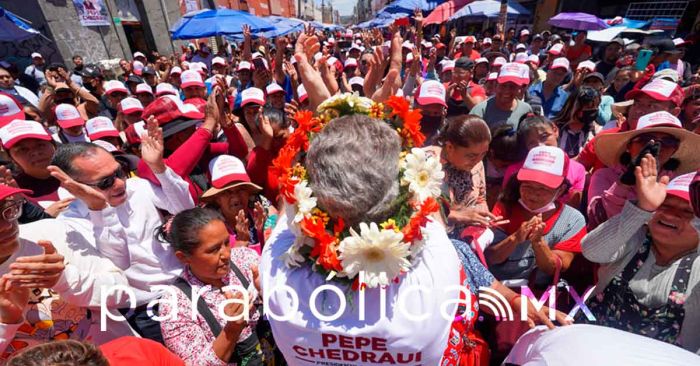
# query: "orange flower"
399,106
325,250
287,184
412,231
283,161
410,132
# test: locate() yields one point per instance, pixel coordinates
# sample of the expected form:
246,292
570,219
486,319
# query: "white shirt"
301,339
585,345
82,138
85,273
36,73
126,233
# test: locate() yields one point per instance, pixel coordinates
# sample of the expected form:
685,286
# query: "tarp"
488,9
409,6
14,29
219,22
444,11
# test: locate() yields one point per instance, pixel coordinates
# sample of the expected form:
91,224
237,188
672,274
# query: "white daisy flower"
305,203
423,174
380,254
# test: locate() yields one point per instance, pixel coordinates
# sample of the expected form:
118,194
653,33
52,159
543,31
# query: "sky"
345,7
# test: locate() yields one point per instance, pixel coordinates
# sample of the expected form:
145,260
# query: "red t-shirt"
472,56
132,351
588,157
475,90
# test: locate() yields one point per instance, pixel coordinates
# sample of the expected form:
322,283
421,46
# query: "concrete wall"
159,20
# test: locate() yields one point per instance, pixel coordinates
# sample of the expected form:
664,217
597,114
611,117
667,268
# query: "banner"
92,12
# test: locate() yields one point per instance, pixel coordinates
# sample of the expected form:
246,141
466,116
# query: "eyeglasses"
12,210
668,142
107,182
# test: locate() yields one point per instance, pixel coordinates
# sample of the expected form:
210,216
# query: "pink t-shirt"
576,176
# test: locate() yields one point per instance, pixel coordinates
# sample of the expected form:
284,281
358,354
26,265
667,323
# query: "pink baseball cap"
176,70
515,73
469,39
191,78
351,62
547,165
166,89
112,86
228,172
144,88
431,92
588,65
18,130
492,76
499,61
252,95
130,105
448,65
560,63
680,186
100,127
534,59
301,92
218,61
660,89
10,109
138,67
244,65
67,116
556,49
274,88
521,57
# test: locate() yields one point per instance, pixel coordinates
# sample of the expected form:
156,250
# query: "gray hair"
353,166
66,153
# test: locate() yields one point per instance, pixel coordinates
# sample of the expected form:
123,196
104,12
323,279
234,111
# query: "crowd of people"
153,217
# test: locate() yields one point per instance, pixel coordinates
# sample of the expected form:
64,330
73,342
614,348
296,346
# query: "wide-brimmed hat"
609,147
228,172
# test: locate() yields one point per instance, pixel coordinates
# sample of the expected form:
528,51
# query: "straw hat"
609,147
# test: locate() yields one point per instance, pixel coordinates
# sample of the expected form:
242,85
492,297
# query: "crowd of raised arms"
527,162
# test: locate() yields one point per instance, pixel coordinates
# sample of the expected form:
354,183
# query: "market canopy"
444,11
488,9
14,29
578,21
409,6
219,22
285,25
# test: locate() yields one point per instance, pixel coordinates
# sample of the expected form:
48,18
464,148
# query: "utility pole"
502,18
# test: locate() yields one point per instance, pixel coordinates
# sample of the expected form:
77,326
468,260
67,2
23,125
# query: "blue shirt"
554,104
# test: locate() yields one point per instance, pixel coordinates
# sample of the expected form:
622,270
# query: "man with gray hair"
122,214
353,170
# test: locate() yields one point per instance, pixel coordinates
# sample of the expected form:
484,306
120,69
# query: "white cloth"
125,234
64,307
586,345
307,340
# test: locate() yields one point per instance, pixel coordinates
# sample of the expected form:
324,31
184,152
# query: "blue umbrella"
284,26
488,9
408,6
219,22
14,29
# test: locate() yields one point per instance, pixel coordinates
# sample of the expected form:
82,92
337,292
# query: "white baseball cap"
534,59
176,70
520,46
521,57
67,116
524,32
547,165
680,186
407,44
130,105
138,67
448,65
499,61
658,119
431,92
252,95
274,88
218,61
357,80
112,86
486,40
228,172
139,54
37,55
10,109
556,49
560,63
351,62
244,65
659,89
18,130
588,64
166,88
144,88
492,76
481,60
514,72
100,127
301,92
191,78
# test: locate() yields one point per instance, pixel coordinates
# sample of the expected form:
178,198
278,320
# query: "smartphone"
653,148
259,64
643,59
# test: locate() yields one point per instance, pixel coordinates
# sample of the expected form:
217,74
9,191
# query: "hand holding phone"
652,147
643,60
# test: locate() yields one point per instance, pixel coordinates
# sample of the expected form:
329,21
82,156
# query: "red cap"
169,107
680,186
660,89
10,109
100,127
7,191
68,116
547,165
431,92
18,130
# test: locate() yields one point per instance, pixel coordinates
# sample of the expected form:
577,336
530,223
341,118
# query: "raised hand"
259,216
38,271
94,199
651,190
59,206
246,31
51,79
13,300
235,310
152,146
6,177
63,74
242,227
290,70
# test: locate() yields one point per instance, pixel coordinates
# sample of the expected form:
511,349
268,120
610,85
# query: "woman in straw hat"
612,186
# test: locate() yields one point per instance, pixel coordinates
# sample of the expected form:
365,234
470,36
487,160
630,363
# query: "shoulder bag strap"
202,307
239,274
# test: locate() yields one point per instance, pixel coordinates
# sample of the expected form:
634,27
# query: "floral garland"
382,252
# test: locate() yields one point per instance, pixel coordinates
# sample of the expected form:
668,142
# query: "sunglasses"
108,182
666,142
12,210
